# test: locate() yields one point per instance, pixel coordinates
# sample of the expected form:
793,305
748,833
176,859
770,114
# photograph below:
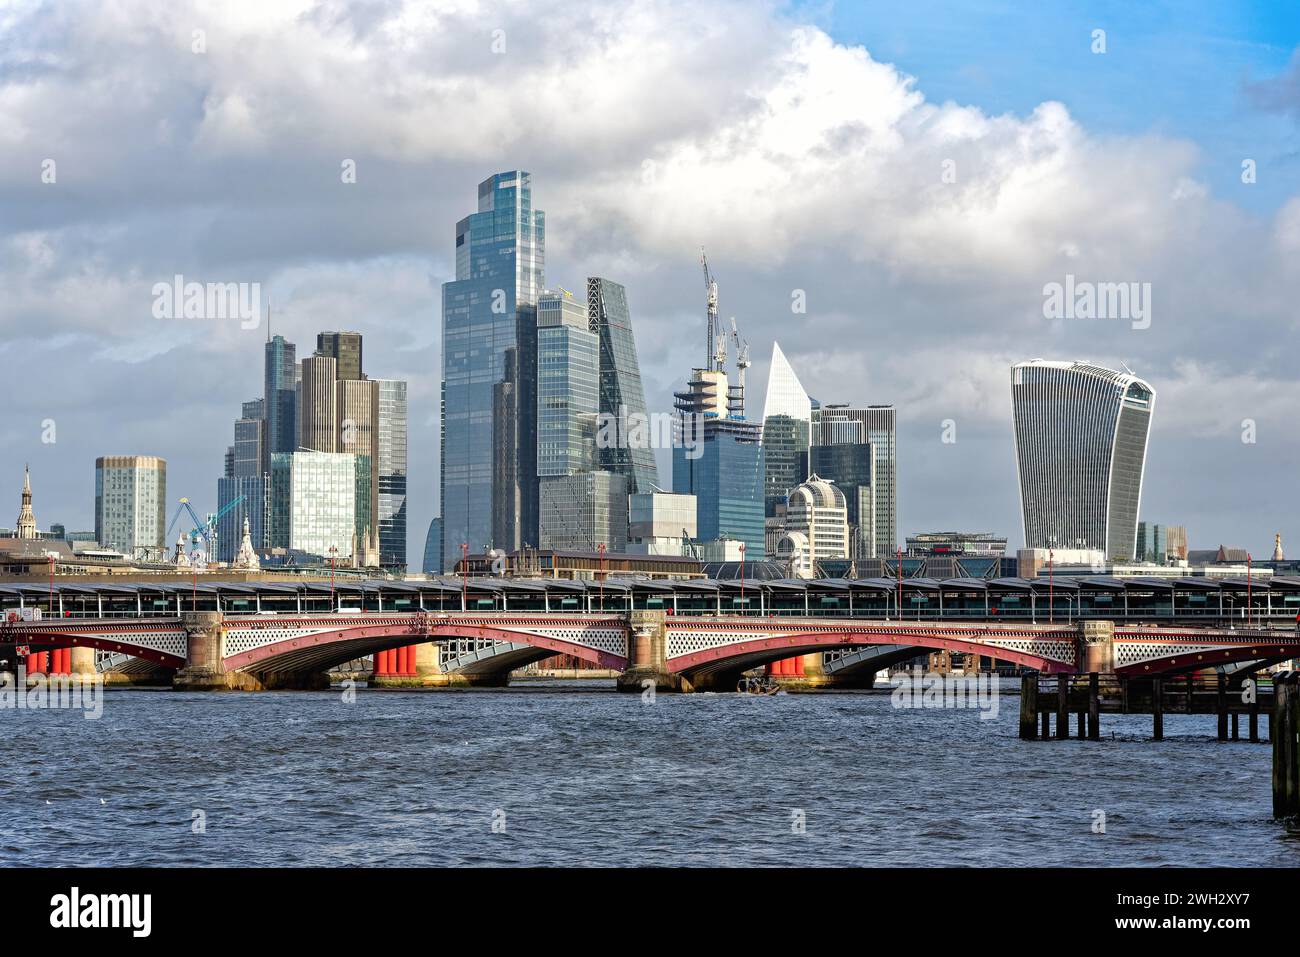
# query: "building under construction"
717,452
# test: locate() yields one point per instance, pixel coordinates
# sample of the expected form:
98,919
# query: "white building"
323,494
659,521
131,504
817,527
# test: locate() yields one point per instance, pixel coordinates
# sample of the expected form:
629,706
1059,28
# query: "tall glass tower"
486,312
1081,440
877,425
391,473
568,380
622,394
280,398
787,417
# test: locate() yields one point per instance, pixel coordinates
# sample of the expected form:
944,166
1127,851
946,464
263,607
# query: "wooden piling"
1236,726
1094,708
1221,706
1157,710
1083,715
1284,729
1047,725
1254,708
1062,706
1028,707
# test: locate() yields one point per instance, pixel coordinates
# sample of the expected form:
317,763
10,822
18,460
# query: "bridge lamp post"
1249,610
1051,580
600,547
898,601
464,576
742,578
333,552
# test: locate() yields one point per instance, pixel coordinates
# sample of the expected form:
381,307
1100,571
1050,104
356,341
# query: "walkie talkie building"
1081,441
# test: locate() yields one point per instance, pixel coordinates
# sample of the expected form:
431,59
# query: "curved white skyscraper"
1081,442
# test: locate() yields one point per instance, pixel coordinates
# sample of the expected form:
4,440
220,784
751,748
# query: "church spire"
26,520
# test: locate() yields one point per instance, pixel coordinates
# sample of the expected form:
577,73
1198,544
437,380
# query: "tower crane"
716,351
736,393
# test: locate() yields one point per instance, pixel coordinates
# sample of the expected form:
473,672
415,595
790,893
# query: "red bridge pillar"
396,664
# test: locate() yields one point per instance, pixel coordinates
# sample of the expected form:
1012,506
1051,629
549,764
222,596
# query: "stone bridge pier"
1096,651
647,655
205,668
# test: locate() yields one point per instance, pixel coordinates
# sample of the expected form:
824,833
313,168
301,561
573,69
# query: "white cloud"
651,129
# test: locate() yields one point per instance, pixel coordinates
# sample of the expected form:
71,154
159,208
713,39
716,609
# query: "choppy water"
580,775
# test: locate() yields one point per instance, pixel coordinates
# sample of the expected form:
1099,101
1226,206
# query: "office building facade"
726,478
252,493
345,349
317,501
583,511
622,393
130,504
1081,439
568,386
852,467
280,395
876,425
486,312
318,404
816,527
391,473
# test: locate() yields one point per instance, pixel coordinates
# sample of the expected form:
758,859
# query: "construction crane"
689,550
716,349
205,529
736,393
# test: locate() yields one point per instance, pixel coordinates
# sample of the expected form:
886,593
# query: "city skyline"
881,324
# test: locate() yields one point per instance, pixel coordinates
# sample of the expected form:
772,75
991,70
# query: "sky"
915,174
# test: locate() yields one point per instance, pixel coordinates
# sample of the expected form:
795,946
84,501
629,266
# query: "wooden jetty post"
1285,732
1254,706
1062,707
1094,708
1157,709
1028,707
1221,706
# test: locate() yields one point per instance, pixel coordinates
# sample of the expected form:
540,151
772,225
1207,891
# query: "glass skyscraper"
1081,440
392,473
568,386
851,466
584,510
486,311
727,480
622,394
433,549
250,440
876,424
319,500
787,418
280,397
256,507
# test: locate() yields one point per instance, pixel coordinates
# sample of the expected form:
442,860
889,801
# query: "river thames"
553,773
